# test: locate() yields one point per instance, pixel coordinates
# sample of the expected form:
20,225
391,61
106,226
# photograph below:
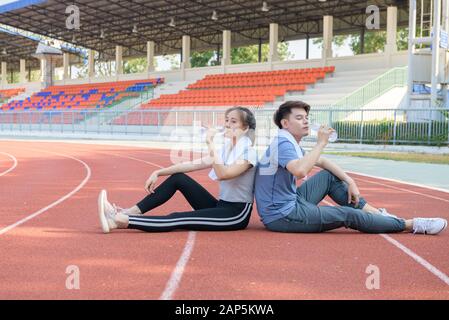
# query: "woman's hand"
210,134
150,184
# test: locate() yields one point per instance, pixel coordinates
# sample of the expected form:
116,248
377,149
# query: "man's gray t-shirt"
275,186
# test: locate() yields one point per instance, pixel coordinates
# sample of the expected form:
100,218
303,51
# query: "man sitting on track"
285,208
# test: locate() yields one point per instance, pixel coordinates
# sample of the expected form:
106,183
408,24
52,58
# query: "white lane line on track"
400,181
13,166
176,276
417,258
423,262
405,190
37,213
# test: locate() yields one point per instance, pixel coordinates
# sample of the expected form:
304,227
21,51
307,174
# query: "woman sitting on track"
234,166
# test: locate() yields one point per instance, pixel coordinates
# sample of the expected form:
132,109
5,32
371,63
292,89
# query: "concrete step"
171,88
318,96
355,73
330,89
349,81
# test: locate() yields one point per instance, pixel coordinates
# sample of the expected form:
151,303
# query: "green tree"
203,59
250,54
136,65
174,59
374,41
402,39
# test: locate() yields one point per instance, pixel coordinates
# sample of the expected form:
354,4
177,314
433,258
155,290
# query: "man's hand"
353,194
323,134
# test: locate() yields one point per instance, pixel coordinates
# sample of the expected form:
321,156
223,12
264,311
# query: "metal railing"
396,77
379,126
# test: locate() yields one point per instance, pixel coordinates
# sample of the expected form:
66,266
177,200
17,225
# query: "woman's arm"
182,167
222,171
229,172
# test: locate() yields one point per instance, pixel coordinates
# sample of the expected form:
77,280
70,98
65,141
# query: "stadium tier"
245,88
81,97
10,93
252,89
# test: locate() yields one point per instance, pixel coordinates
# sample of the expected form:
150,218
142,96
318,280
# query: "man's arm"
353,190
301,167
328,165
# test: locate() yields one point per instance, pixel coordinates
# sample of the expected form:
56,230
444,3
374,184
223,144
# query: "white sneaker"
106,213
429,225
384,212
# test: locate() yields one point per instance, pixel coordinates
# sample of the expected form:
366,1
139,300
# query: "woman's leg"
210,219
195,194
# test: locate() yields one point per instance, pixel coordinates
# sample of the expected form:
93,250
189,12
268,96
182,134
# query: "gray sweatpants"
308,217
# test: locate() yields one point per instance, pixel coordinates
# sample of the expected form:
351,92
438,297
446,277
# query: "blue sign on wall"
444,40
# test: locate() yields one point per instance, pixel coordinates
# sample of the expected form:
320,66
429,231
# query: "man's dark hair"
285,110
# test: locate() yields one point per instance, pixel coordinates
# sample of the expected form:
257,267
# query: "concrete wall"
359,62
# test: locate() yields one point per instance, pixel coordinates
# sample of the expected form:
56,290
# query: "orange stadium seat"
79,97
243,88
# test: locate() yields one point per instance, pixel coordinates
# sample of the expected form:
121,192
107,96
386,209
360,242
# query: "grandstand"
84,96
340,88
10,93
242,88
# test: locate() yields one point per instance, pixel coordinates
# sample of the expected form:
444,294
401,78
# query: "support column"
392,26
118,60
327,38
411,49
23,73
150,56
91,63
226,59
4,78
307,47
435,52
445,54
66,62
274,35
43,69
185,63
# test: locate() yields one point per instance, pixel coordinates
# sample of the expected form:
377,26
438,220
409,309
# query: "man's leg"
310,218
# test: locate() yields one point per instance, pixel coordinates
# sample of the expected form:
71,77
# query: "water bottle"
314,128
220,132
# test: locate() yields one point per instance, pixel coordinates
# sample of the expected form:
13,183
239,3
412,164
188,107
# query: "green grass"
410,157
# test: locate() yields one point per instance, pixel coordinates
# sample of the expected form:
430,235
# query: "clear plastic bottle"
220,132
315,127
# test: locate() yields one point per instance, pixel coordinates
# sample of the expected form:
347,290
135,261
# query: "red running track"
48,222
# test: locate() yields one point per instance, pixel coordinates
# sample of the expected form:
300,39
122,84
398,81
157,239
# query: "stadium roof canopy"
297,19
14,47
